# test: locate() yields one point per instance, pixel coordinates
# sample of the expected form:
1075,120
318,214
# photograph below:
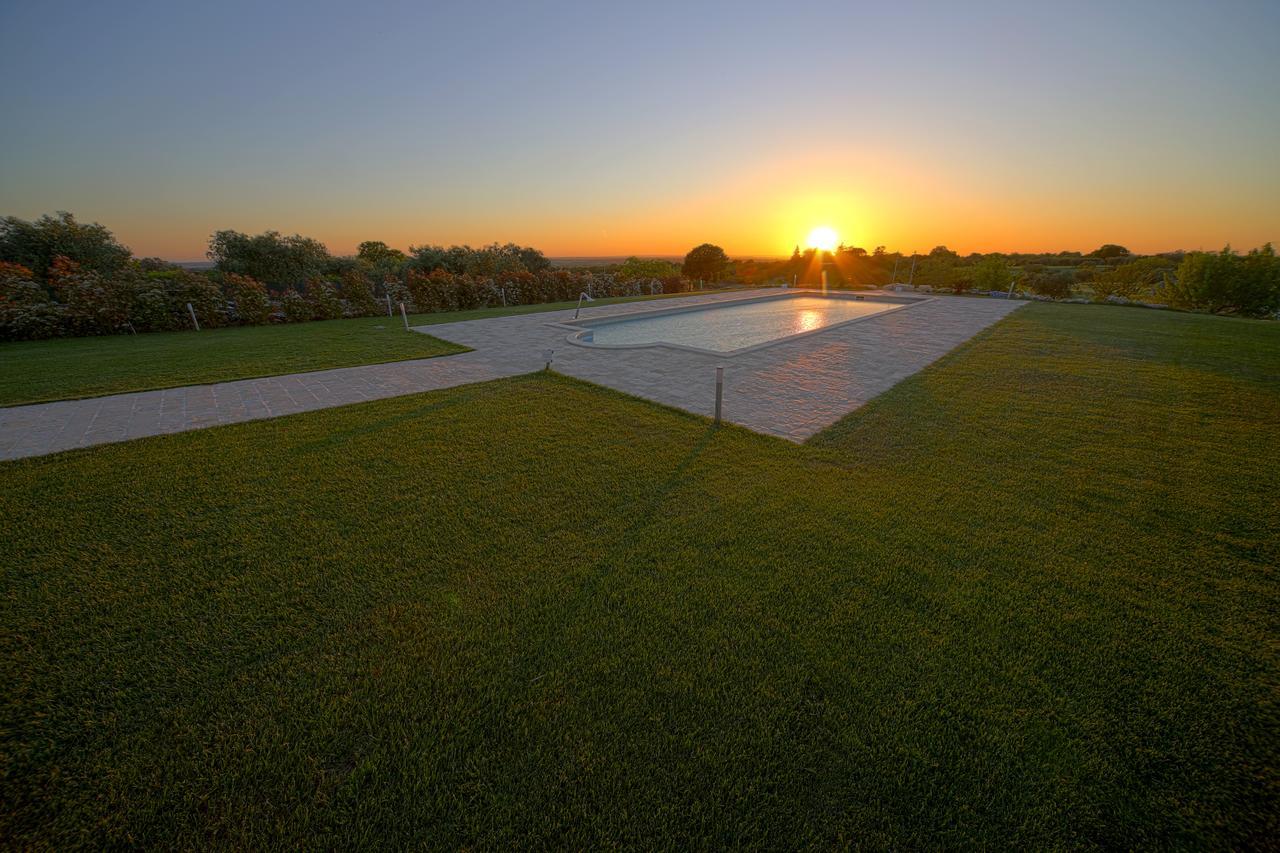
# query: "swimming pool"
735,326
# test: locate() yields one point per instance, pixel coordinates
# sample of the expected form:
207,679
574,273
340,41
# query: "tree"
35,245
378,254
634,268
942,252
277,261
487,261
1226,283
533,260
1109,250
705,262
992,273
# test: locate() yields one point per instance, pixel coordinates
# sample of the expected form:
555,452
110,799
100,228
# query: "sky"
612,129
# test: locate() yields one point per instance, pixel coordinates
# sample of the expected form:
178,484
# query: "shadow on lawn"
644,512
334,439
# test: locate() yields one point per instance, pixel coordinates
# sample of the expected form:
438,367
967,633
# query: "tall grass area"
1025,599
70,368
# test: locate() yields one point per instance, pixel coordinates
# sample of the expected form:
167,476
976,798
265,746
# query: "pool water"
725,328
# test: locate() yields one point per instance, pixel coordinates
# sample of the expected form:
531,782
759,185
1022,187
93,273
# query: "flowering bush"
26,311
204,295
248,296
147,298
324,301
358,295
294,307
92,304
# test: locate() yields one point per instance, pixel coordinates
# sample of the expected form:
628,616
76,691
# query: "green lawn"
68,368
1026,599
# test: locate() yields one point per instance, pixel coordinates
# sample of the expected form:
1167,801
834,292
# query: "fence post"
404,316
388,304
719,389
193,316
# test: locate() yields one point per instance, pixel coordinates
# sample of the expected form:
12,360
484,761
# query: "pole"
912,277
719,389
388,304
193,316
404,316
894,279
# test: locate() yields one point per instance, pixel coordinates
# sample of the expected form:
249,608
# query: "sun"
823,239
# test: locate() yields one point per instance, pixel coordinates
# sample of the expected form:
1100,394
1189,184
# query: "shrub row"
75,301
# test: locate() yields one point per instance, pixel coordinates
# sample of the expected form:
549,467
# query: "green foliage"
1138,279
1227,283
634,267
380,256
36,245
1056,284
280,262
706,262
1024,600
992,273
486,261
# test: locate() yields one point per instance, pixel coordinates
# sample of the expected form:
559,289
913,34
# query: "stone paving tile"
791,390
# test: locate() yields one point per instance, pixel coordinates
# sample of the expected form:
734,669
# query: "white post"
546,356
388,304
911,278
719,389
404,316
193,316
894,278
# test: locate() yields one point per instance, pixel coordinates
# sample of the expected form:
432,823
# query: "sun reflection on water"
807,320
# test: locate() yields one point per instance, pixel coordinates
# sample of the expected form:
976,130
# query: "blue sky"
608,129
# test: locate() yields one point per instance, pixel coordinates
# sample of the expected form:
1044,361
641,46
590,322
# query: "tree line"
61,277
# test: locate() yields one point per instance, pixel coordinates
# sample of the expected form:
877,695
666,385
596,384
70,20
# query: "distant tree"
1108,251
378,254
1132,280
35,245
940,252
634,268
279,262
879,252
707,261
486,261
992,273
533,260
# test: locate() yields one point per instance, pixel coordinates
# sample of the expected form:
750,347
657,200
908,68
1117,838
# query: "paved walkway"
791,390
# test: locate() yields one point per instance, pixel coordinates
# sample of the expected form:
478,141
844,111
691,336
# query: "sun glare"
823,239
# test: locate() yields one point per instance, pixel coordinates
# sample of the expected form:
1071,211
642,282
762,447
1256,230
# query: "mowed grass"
70,368
1027,599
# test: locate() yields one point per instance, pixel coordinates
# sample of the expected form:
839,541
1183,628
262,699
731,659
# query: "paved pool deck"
791,389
